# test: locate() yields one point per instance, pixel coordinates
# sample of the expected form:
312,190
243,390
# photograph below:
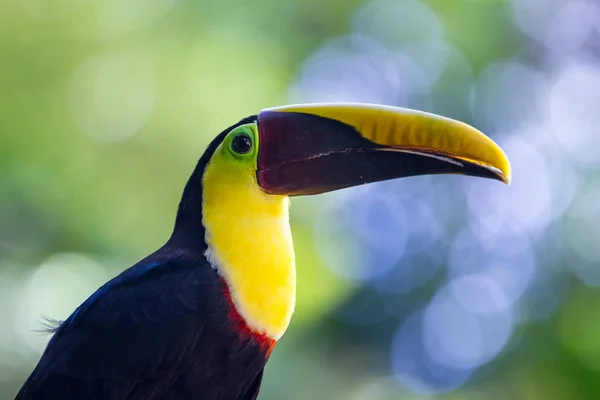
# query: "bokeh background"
439,287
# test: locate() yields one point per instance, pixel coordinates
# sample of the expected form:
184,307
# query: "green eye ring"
241,143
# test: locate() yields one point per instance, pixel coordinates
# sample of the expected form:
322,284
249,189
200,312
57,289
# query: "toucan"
199,317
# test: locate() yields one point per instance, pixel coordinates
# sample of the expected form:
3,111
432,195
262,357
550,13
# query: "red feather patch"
244,332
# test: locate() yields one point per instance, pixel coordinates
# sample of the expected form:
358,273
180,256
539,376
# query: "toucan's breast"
249,243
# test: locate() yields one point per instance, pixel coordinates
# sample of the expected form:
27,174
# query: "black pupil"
241,144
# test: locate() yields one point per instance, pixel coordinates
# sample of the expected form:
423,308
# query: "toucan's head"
249,171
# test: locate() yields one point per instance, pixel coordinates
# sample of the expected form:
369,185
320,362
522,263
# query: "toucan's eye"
241,144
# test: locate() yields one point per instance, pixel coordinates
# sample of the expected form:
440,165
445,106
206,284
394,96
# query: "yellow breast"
250,244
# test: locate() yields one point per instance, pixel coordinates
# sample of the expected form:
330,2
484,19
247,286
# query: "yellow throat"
250,244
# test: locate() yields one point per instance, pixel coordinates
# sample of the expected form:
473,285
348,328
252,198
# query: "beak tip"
504,173
501,165
505,176
507,171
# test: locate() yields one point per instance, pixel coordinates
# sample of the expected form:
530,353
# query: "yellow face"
248,235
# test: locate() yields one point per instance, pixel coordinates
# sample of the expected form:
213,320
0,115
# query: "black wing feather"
138,326
252,393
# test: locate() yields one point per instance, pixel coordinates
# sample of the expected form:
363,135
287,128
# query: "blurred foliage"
106,106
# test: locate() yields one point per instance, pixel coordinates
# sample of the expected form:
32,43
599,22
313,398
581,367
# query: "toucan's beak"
316,148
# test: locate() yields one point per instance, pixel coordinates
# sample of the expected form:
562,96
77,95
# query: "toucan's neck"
245,235
189,233
249,243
